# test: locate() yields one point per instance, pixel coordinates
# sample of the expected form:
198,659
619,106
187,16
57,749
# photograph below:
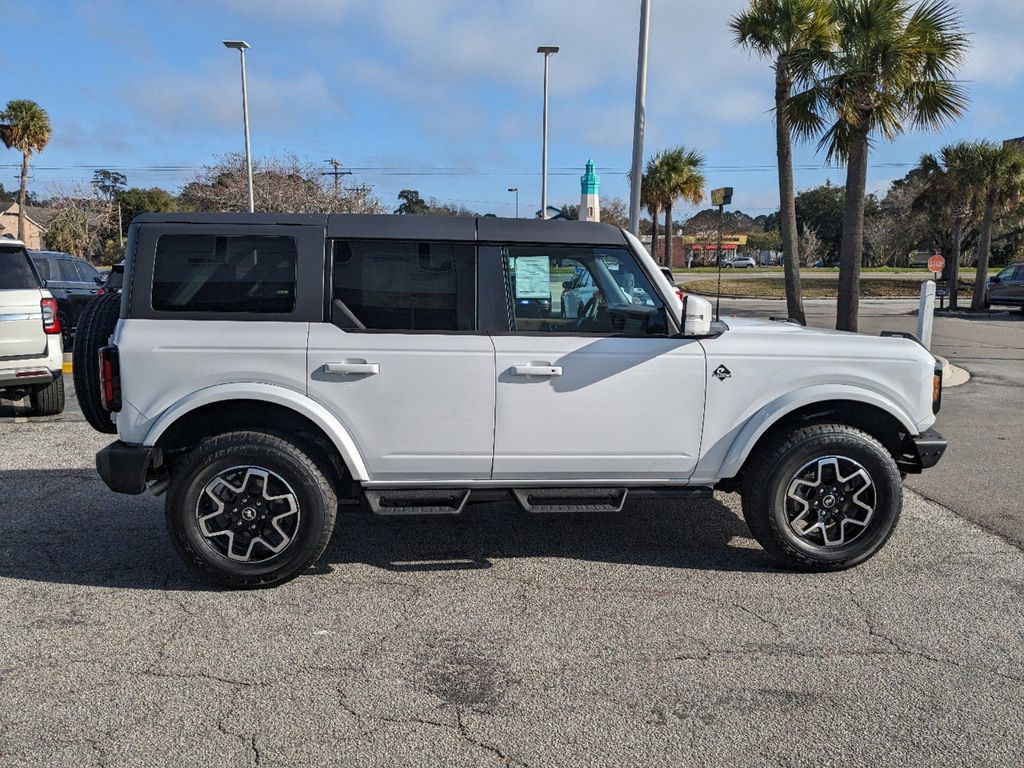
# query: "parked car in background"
821,264
72,281
739,262
1006,288
31,355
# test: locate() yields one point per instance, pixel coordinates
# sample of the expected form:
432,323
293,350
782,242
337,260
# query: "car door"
1008,287
401,363
610,396
81,288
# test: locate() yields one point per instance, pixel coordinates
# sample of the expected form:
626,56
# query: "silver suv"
258,368
31,355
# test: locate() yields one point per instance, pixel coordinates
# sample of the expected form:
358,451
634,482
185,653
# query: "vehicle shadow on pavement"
63,526
704,535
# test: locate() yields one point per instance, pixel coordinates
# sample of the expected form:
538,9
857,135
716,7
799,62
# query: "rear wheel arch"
307,423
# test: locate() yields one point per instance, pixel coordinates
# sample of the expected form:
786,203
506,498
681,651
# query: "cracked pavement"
660,636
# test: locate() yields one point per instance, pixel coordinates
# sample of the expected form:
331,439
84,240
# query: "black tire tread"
755,501
48,400
95,326
209,450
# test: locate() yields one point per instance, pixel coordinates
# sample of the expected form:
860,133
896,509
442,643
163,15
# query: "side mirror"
994,279
98,280
696,316
566,284
43,282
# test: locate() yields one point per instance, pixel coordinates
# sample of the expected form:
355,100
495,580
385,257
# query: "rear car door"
608,395
401,364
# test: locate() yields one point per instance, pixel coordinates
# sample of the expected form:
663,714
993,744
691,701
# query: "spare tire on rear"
95,326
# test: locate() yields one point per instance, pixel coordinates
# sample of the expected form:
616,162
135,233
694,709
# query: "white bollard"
926,313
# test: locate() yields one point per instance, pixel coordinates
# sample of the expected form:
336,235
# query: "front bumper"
126,468
922,451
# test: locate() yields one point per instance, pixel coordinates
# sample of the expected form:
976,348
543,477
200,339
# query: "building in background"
36,221
590,205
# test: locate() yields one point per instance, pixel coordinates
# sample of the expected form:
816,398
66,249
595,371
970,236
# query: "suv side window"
86,271
573,290
68,273
224,273
391,285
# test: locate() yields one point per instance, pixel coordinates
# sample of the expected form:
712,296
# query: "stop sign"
935,263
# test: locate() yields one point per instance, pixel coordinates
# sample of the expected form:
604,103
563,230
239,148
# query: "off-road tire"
48,399
305,473
95,325
772,467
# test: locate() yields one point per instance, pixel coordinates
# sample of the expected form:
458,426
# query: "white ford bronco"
261,369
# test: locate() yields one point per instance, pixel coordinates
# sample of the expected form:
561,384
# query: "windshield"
16,271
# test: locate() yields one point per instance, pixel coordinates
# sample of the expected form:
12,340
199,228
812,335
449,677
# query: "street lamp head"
545,49
239,45
513,189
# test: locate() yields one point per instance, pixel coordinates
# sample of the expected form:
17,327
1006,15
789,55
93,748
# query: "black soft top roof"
487,229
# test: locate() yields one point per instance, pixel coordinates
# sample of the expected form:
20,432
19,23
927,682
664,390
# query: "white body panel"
778,367
427,414
163,362
21,323
623,408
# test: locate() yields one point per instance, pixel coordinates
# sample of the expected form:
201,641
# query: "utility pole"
547,50
639,119
337,173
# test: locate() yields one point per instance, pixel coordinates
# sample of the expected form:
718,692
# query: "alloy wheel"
830,501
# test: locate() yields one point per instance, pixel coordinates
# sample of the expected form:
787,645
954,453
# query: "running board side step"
570,499
424,501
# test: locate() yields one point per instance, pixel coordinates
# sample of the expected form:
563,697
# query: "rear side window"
404,286
218,273
15,271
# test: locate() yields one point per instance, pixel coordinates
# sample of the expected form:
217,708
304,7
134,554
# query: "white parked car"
257,368
740,262
31,356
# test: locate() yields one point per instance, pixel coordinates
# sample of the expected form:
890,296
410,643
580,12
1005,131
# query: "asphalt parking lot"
660,636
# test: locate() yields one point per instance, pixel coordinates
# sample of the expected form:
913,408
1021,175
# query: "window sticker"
533,277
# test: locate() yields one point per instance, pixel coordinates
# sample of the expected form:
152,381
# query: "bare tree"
281,184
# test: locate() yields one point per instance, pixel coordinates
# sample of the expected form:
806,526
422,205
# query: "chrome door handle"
536,370
360,367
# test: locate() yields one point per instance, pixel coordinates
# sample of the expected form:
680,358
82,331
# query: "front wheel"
249,509
823,497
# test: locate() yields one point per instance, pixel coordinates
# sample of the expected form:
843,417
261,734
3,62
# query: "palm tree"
24,126
683,179
789,32
951,188
651,195
892,67
1002,186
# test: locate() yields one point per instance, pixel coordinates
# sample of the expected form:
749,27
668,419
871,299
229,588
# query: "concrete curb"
952,375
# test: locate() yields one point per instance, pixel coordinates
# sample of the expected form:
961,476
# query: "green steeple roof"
589,180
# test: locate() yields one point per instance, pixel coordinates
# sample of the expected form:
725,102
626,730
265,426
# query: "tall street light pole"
639,118
241,46
547,50
516,190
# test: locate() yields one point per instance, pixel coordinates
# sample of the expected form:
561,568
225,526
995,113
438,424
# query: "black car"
72,281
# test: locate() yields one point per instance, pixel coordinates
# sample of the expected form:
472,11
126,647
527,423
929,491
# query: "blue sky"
443,96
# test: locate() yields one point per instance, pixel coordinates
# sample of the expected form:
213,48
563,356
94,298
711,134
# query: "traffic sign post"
936,264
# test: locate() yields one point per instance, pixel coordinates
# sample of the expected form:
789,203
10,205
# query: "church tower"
590,206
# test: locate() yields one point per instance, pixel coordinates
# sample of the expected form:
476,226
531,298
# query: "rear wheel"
48,400
95,326
249,509
823,497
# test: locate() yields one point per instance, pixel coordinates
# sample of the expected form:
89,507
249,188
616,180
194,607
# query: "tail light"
51,316
110,379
